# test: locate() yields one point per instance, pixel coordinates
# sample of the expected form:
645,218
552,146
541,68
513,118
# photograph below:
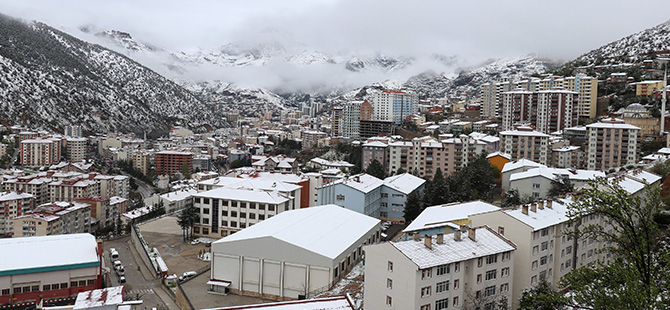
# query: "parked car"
187,275
113,254
196,241
208,244
116,264
121,271
122,279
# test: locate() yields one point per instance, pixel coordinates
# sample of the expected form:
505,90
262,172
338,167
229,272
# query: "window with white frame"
491,274
441,287
425,292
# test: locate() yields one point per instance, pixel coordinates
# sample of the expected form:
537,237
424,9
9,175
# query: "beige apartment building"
76,149
54,219
611,144
587,88
524,142
472,268
544,251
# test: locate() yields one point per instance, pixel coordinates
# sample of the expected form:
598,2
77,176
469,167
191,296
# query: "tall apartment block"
587,88
611,144
351,119
336,125
395,106
549,110
491,97
524,142
171,162
40,152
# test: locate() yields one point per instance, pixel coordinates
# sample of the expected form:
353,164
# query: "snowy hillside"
632,48
50,79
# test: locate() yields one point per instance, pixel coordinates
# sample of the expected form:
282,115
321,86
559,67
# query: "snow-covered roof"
404,183
487,242
362,182
99,298
328,303
326,230
542,218
512,165
612,124
375,144
443,215
665,150
523,133
6,196
177,195
62,252
551,173
173,153
501,154
635,180
566,148
243,195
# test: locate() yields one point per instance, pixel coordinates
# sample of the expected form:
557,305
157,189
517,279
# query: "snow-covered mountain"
632,48
49,79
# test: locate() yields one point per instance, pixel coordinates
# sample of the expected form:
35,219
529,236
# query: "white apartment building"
611,144
351,119
76,149
395,106
543,250
524,142
471,268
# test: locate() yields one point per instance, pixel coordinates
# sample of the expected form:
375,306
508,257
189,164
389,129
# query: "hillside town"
390,203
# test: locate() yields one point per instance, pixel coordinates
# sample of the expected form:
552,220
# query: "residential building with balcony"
611,144
524,142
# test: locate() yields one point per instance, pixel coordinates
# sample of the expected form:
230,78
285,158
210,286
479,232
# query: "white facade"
294,253
611,144
351,119
468,269
395,106
76,149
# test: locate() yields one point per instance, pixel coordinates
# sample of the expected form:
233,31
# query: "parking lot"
165,235
196,290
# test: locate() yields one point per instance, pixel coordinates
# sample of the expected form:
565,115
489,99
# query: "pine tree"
413,206
376,170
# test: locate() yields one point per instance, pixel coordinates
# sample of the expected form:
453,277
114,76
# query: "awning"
218,283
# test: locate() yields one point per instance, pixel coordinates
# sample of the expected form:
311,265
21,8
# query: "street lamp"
664,62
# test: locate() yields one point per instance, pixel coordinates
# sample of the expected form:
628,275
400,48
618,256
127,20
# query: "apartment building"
549,110
337,121
351,119
544,251
469,269
394,106
536,182
567,156
73,188
310,138
375,150
104,212
647,88
141,161
13,204
39,152
224,211
491,97
611,144
637,115
524,142
35,184
171,162
587,88
58,218
398,155
76,149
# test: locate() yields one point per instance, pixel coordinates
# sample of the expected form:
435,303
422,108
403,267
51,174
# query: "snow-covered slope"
50,79
632,48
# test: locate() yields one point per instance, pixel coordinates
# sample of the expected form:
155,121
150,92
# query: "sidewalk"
148,276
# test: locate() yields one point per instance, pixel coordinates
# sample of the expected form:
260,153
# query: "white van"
187,275
114,254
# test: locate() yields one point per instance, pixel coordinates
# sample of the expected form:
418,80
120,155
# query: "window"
389,301
590,253
456,301
457,267
545,232
36,288
425,307
389,284
489,306
340,197
390,266
45,287
243,215
568,263
205,201
504,288
205,231
501,230
543,275
271,207
533,265
205,210
425,292
491,274
536,185
26,289
568,250
506,256
205,221
544,246
479,278
73,284
261,217
252,216
492,259
426,273
442,269
442,304
442,287
456,284
533,280
233,213
479,262
490,291
504,272
5,291
543,260
536,249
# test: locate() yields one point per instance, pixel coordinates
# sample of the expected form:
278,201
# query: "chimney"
541,205
416,236
524,209
533,207
457,235
440,238
549,202
428,241
471,233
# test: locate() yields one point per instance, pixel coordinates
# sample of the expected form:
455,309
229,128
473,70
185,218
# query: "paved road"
137,287
143,188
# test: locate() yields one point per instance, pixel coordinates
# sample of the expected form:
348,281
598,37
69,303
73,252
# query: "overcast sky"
470,29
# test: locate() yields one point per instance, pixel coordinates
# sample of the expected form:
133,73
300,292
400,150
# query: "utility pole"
663,61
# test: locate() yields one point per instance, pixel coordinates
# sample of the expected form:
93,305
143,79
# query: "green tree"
400,171
376,170
635,274
186,219
542,297
560,185
413,206
511,198
662,169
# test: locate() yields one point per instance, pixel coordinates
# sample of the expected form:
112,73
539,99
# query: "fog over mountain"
326,45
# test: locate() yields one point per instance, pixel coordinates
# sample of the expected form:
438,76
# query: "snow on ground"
351,284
